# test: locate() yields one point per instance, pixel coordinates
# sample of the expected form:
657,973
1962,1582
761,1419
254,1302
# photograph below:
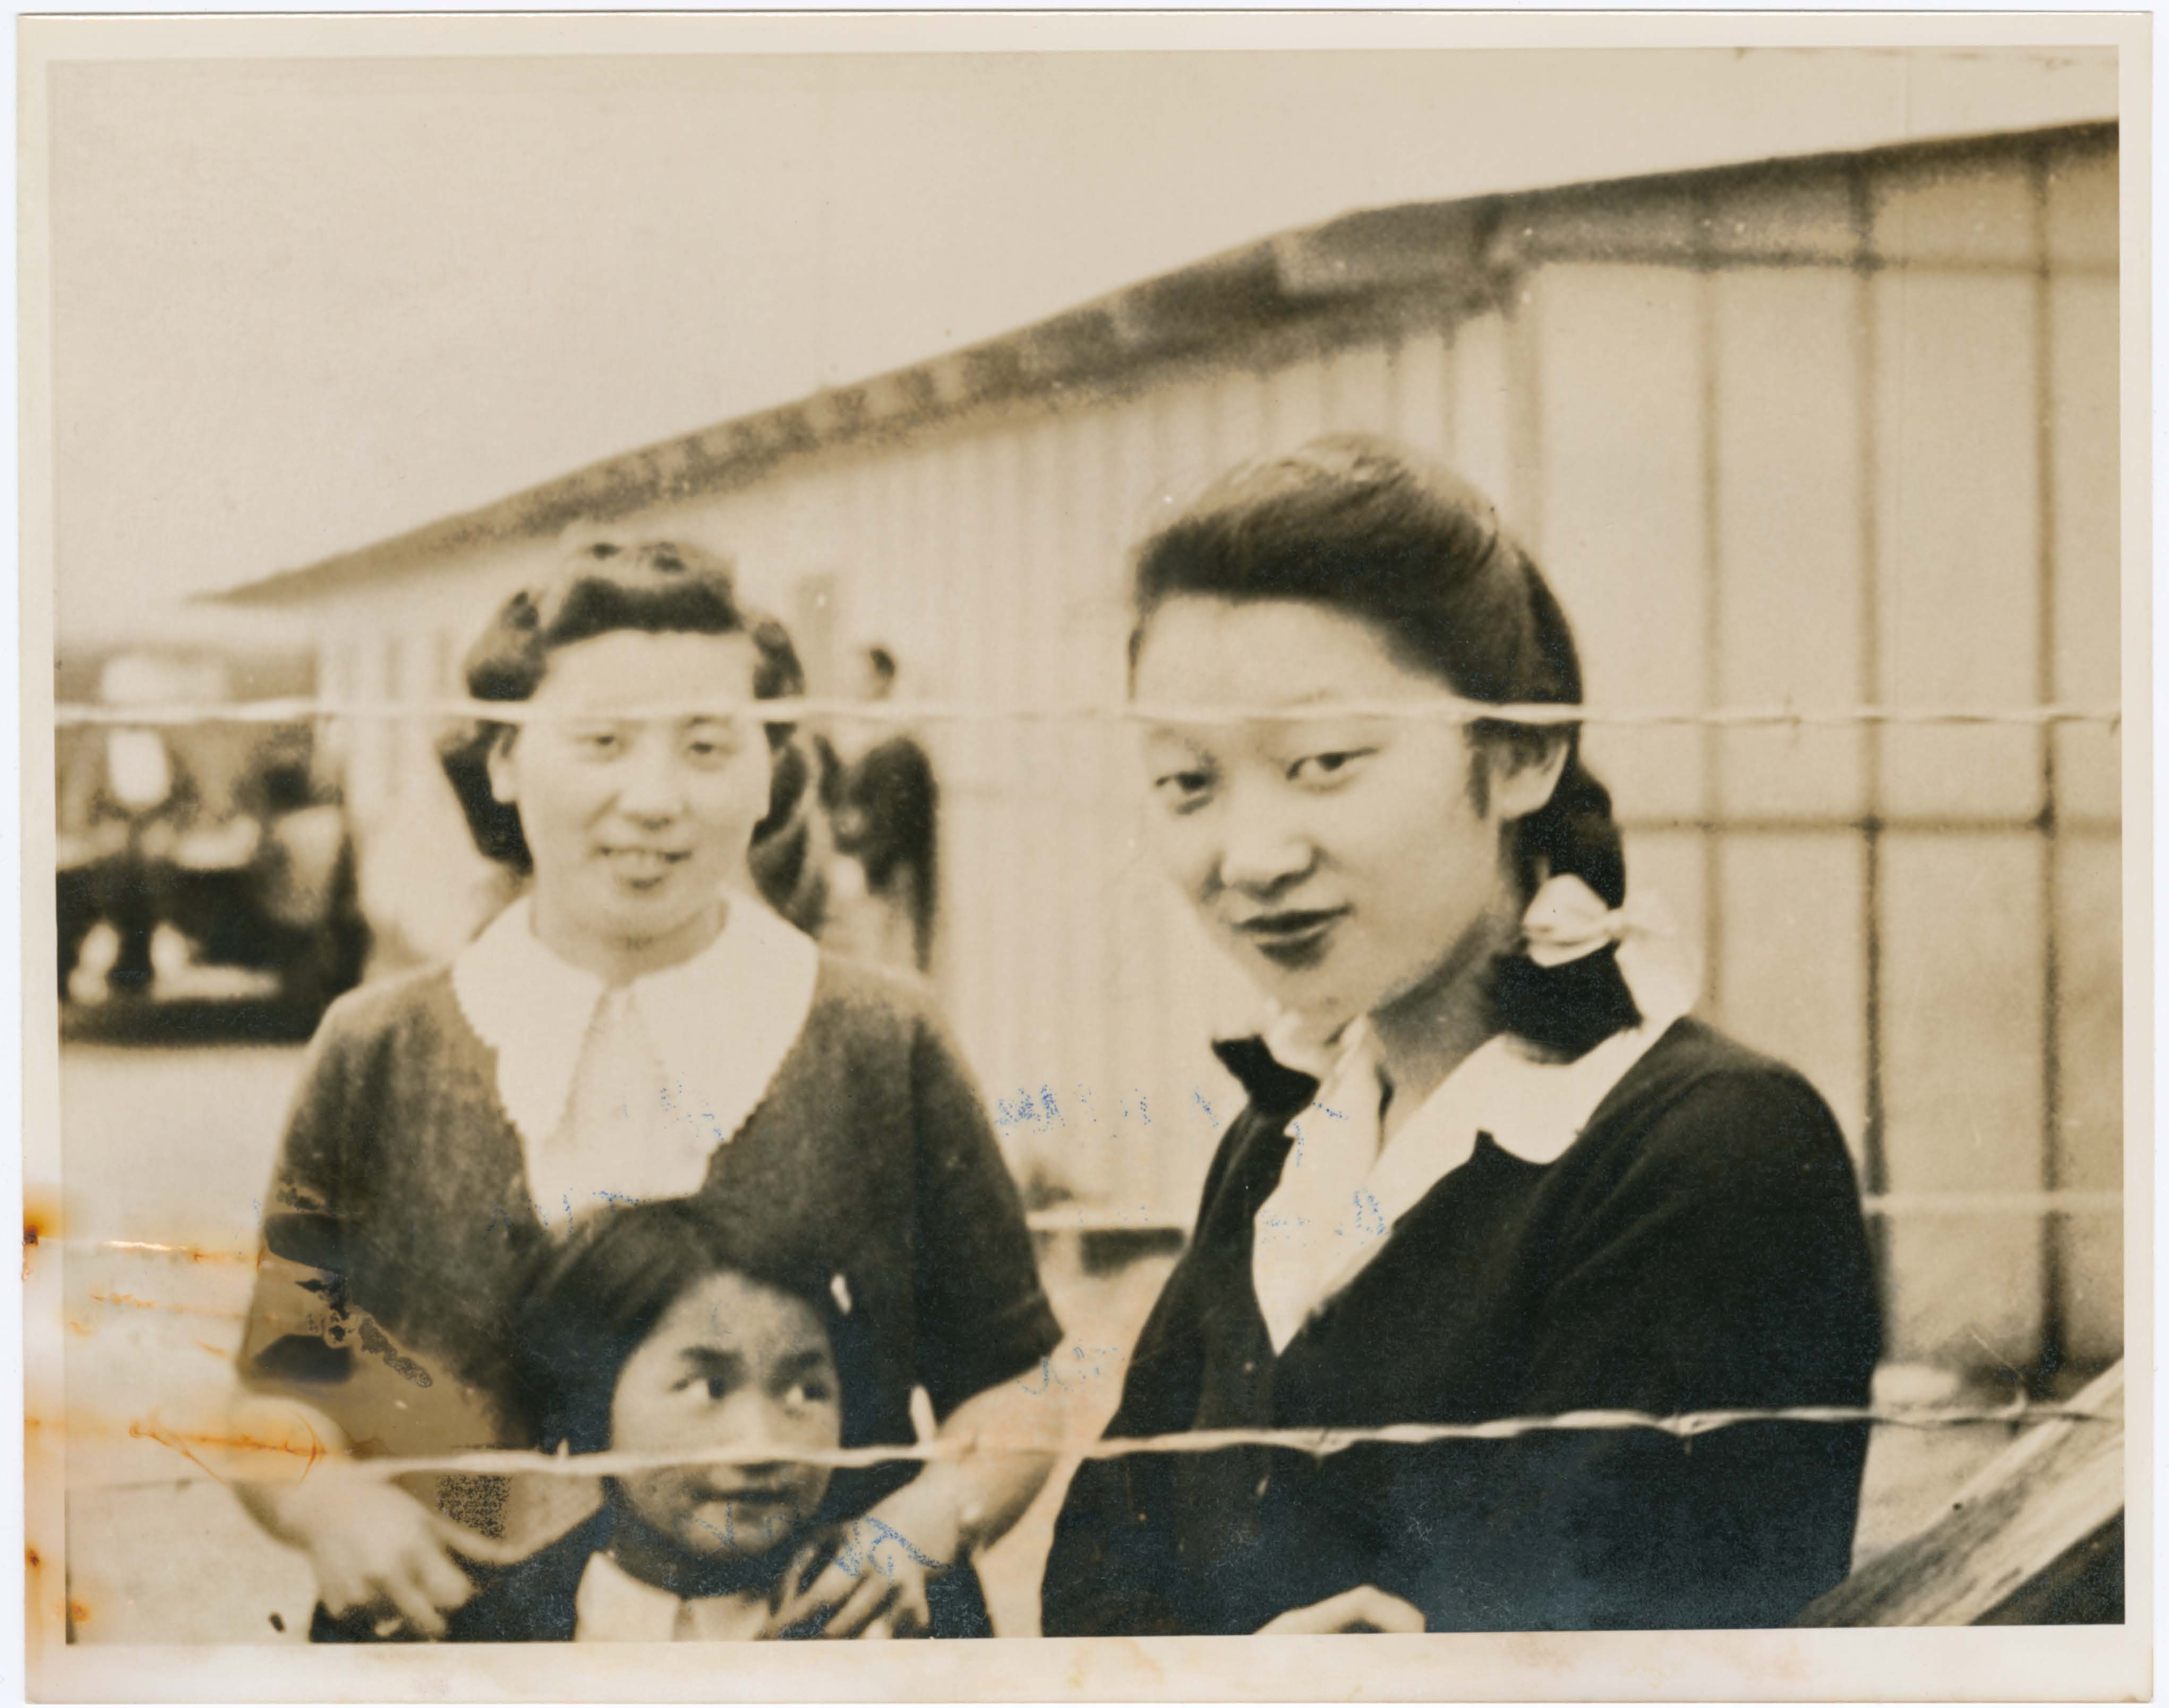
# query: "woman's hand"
373,1546
1367,1608
873,1583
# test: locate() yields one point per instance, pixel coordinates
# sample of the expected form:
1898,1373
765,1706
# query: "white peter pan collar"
1531,1107
720,1024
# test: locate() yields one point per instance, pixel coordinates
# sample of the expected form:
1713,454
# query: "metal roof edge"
1282,280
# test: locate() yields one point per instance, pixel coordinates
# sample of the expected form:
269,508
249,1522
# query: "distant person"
886,822
148,793
639,1025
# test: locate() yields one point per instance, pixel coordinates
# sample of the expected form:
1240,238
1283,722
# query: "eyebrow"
804,1360
709,1361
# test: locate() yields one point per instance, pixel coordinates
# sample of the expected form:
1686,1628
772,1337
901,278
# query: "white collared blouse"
1343,1188
620,1093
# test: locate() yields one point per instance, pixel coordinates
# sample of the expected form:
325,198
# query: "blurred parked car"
223,834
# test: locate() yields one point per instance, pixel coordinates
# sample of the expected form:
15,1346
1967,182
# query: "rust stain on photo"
194,1253
42,1224
181,1440
130,1299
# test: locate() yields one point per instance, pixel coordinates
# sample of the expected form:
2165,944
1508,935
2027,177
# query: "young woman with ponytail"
1489,1168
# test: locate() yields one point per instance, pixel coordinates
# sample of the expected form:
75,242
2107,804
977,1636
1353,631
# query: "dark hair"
1358,524
657,586
591,1303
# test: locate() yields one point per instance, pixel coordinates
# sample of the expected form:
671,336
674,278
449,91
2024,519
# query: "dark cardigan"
1699,1246
399,1231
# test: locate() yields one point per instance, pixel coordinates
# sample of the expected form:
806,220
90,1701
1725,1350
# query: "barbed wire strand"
1094,1218
1319,1443
1441,710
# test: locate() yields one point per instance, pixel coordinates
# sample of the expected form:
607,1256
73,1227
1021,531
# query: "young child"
672,1327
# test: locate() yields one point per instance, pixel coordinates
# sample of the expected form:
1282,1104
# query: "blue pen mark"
1370,1219
1029,1110
853,1550
1094,1359
1048,1379
680,1104
1197,1097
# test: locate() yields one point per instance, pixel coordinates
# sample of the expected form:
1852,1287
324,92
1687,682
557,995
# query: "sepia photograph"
1093,832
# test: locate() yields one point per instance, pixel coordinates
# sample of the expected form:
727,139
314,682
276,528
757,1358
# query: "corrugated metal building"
1831,430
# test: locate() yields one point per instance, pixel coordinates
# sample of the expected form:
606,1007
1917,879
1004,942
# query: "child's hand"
873,1584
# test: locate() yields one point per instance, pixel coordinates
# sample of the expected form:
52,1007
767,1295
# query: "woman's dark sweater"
399,1230
1699,1246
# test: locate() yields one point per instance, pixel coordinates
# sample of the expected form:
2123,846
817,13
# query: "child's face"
730,1364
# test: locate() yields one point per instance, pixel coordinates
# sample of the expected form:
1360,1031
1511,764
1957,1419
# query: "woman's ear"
1525,779
502,783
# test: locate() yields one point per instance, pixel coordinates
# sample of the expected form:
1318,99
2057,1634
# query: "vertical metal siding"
1422,412
1784,466
1482,434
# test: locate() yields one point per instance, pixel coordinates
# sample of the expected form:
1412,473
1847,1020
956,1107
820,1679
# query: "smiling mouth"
641,864
1297,939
